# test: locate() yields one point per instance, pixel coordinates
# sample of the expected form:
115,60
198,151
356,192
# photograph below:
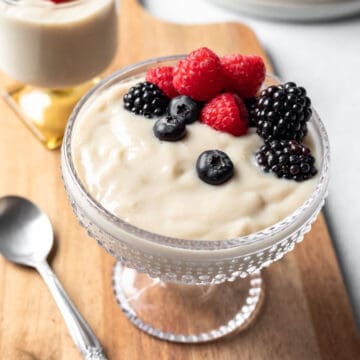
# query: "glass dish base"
187,313
45,111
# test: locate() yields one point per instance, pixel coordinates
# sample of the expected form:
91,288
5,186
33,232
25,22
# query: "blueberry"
169,129
214,167
185,109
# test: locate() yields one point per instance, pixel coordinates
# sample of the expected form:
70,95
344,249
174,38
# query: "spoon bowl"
26,238
25,231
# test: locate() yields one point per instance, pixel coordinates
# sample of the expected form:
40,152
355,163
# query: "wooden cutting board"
306,314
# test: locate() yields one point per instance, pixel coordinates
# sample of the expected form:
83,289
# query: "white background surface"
325,59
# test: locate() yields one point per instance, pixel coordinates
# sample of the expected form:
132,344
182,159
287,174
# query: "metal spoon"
26,238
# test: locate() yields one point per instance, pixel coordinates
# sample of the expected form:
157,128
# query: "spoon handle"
79,329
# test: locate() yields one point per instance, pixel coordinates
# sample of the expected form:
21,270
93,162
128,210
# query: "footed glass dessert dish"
179,290
54,50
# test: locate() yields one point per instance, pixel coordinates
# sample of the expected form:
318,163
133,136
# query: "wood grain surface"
306,314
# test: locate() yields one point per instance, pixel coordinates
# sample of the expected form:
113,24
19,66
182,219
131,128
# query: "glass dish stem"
187,313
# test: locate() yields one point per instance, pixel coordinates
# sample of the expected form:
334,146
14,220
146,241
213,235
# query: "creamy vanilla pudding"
56,45
153,184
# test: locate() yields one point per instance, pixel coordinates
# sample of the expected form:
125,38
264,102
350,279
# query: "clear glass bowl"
187,275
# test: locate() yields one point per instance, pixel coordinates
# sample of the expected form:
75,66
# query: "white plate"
294,9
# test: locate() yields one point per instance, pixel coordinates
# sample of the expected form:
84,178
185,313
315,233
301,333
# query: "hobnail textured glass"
192,262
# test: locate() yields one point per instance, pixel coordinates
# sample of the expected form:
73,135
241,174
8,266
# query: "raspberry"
199,76
243,74
162,76
60,1
226,112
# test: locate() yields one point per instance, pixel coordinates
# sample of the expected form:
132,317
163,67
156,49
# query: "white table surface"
325,59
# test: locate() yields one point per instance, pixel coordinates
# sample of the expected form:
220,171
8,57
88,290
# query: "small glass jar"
55,51
56,46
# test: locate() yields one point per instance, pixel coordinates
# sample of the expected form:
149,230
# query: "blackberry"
251,104
287,159
282,112
214,167
146,99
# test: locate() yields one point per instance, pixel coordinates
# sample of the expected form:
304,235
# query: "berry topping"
226,112
282,112
199,75
243,74
287,159
60,1
214,167
169,129
162,76
146,99
184,109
